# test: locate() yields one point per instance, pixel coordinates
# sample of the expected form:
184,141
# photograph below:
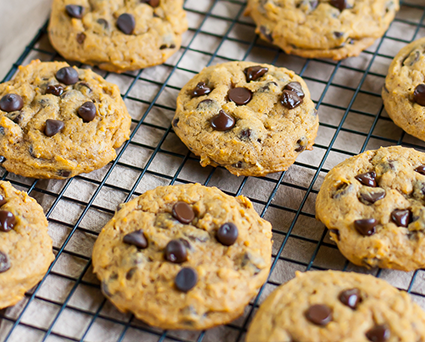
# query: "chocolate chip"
104,23
201,89
370,197
153,3
163,47
296,88
350,298
75,11
53,127
411,58
67,75
421,169
238,165
240,96
175,122
205,103
2,200
87,111
130,273
11,103
136,238
253,73
365,227
419,94
336,232
126,23
301,145
290,99
64,173
319,314
227,234
183,212
176,251
4,262
266,33
7,221
186,279
246,133
338,34
368,179
81,37
401,217
222,121
267,87
56,90
340,4
378,333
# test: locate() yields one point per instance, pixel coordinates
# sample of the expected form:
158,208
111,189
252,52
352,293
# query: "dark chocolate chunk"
75,11
183,212
366,227
240,96
421,169
379,333
401,217
53,127
2,200
136,238
370,197
81,37
227,234
266,33
205,103
350,298
7,221
67,75
176,251
56,90
290,99
368,179
319,314
340,4
126,23
222,121
296,88
186,279
11,103
87,111
153,3
130,273
64,173
419,94
104,23
201,89
253,73
301,145
4,262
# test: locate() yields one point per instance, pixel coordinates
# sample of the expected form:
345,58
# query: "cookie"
373,204
25,247
328,306
183,257
404,89
117,35
252,119
58,121
322,28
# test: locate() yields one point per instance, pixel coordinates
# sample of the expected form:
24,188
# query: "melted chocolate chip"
266,33
340,4
4,262
401,217
126,23
104,23
11,103
222,121
301,145
350,298
183,212
419,94
56,90
421,169
137,239
296,88
81,37
205,103
201,89
2,200
153,3
411,59
175,122
336,232
319,314
227,234
87,111
176,251
75,11
130,273
290,99
253,73
53,127
7,221
186,279
67,75
366,227
368,179
369,197
378,333
240,96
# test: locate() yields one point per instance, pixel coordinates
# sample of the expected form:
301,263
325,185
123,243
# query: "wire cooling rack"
67,305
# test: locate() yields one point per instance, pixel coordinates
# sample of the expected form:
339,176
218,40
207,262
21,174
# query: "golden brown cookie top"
324,306
183,257
57,121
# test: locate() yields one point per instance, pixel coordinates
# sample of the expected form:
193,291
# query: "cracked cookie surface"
327,306
58,121
25,246
252,119
322,28
117,35
373,205
183,257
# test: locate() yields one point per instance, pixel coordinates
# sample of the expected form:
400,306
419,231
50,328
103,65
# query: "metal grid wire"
300,243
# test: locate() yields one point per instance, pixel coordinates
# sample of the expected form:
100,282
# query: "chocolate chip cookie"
183,257
373,204
322,28
58,121
25,246
328,306
117,35
252,119
404,89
